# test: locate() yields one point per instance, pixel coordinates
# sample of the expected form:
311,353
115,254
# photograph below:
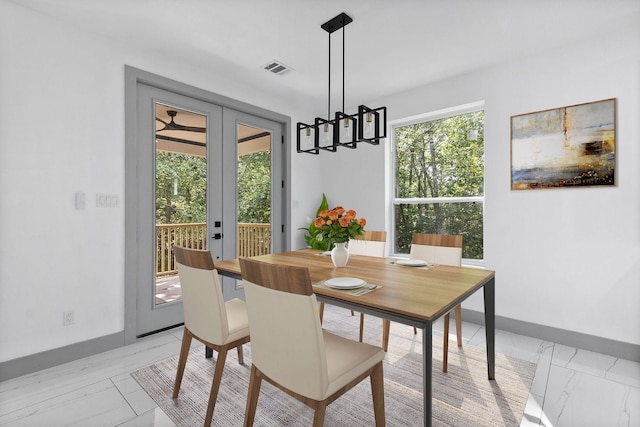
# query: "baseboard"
57,356
606,346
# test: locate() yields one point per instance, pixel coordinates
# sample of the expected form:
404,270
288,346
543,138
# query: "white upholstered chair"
219,325
437,249
290,350
372,243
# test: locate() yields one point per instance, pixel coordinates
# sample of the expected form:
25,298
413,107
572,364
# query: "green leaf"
324,205
312,231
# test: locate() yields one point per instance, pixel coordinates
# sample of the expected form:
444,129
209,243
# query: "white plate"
412,262
345,283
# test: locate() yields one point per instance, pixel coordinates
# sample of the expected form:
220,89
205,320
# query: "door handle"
218,236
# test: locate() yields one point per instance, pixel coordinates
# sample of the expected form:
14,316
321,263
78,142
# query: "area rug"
462,397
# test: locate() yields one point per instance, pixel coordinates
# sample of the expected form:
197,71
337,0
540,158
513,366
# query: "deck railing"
253,239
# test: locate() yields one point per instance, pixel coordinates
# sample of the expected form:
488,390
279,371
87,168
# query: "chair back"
287,343
372,243
205,314
437,248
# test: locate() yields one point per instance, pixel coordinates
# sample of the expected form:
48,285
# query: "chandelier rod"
329,85
343,44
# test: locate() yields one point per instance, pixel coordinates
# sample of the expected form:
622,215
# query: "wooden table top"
409,291
412,291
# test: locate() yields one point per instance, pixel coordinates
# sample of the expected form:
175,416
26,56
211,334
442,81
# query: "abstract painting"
571,146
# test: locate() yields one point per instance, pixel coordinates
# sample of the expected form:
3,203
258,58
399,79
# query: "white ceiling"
391,46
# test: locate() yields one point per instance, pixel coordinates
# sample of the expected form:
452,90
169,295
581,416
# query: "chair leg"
415,331
377,391
182,360
458,311
215,385
386,325
321,310
352,313
318,417
252,397
240,355
361,326
445,344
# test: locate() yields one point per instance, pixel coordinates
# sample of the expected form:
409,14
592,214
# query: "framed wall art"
572,146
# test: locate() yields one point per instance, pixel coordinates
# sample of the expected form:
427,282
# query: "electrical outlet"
67,318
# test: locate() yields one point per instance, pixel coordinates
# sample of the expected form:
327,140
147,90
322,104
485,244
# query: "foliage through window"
254,187
439,180
181,188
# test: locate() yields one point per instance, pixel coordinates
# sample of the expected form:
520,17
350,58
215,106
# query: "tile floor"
571,387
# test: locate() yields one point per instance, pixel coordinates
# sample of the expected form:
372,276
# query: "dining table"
411,294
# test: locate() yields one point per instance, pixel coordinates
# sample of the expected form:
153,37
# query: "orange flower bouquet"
338,225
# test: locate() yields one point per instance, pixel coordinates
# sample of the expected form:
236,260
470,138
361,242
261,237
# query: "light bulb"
308,139
345,132
368,126
325,140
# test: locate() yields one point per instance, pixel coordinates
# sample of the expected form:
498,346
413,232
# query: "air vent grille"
277,67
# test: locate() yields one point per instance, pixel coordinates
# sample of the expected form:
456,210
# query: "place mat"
355,292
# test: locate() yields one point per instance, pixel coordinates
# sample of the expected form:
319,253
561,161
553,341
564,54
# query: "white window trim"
416,201
390,166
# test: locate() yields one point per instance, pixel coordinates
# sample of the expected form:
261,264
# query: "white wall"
354,179
62,132
566,258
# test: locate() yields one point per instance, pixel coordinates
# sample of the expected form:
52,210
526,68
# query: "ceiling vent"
277,67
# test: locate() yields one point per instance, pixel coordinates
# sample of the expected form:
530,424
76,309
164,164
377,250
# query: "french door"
253,136
175,133
188,153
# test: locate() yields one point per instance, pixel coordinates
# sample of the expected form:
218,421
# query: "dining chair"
290,350
442,249
371,243
217,324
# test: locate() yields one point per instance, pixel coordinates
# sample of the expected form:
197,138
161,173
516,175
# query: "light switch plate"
106,200
81,200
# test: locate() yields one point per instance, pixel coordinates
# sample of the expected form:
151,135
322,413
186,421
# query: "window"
439,178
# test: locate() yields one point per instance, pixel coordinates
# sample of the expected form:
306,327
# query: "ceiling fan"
174,126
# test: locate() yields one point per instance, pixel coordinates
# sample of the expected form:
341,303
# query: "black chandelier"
343,130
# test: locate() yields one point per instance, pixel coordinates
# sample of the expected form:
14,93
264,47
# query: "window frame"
393,200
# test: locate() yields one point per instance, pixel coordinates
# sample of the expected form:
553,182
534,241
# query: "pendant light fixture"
342,130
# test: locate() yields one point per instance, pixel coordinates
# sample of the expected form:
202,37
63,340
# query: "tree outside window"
439,181
254,187
181,188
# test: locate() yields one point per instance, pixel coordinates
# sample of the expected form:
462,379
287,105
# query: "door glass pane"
254,191
181,192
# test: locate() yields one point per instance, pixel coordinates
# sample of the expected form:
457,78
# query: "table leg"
490,326
427,374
